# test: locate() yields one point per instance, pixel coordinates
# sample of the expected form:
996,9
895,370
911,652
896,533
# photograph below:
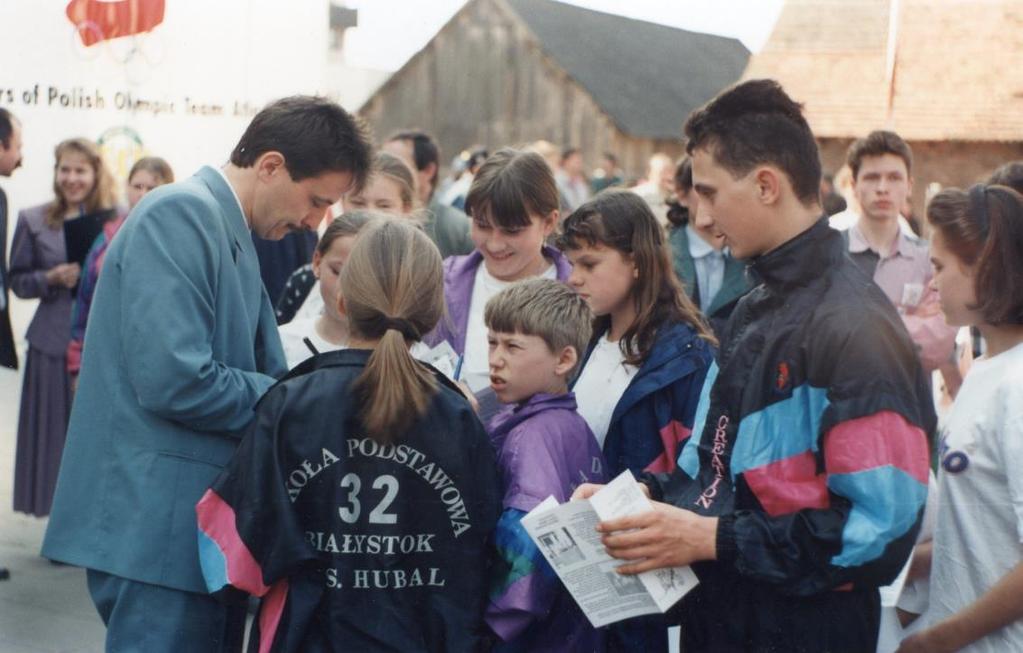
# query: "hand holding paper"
587,490
663,537
568,538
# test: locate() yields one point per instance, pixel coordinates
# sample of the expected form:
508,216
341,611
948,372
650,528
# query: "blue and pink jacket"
459,278
811,447
649,426
353,544
654,417
544,448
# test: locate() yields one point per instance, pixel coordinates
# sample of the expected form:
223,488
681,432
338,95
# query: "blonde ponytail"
394,293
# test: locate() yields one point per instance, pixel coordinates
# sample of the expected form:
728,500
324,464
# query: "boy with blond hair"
538,330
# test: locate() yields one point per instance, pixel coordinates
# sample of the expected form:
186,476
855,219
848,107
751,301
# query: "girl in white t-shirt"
513,208
642,376
327,330
976,557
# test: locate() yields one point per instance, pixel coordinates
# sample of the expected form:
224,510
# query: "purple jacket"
36,249
544,448
459,277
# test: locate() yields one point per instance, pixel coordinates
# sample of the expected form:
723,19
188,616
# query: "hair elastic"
402,325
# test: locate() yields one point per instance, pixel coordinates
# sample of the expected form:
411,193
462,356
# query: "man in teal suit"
712,278
181,343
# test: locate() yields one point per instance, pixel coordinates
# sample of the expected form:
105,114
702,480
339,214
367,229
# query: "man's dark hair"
678,215
756,123
684,174
568,152
1010,174
315,136
611,157
878,143
6,127
833,203
424,149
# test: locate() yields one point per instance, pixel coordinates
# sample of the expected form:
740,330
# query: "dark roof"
647,77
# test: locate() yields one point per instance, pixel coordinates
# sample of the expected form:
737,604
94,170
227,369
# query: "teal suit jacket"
735,284
181,343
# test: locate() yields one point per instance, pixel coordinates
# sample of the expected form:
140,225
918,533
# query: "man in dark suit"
10,160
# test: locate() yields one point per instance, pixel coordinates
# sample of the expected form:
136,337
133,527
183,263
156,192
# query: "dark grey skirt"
42,427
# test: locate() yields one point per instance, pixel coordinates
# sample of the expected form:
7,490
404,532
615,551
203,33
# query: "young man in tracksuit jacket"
802,487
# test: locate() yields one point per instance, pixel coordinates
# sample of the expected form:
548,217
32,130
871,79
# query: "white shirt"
296,351
979,534
476,358
312,307
236,198
292,335
601,385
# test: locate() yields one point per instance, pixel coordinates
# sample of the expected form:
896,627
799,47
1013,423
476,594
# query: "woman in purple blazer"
40,269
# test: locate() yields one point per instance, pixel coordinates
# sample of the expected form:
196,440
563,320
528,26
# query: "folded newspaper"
566,535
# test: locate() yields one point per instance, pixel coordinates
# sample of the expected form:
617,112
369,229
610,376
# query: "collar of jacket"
668,362
460,275
670,359
802,259
734,285
228,200
351,358
511,416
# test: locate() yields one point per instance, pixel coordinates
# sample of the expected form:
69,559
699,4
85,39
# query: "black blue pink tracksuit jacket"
811,446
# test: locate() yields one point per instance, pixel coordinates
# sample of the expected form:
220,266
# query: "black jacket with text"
354,545
811,446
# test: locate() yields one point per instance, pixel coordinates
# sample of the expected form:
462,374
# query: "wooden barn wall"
481,81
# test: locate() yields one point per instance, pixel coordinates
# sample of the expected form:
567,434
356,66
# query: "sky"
391,31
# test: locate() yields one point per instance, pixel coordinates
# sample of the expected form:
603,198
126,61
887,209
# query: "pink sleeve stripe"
672,436
788,485
217,521
878,440
270,613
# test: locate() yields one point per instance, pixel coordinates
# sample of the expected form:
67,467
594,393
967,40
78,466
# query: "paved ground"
43,607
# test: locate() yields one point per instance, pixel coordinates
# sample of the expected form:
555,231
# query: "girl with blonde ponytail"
360,502
392,291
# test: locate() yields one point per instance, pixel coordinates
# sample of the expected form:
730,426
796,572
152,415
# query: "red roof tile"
958,73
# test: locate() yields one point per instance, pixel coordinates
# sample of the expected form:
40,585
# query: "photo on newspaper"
567,536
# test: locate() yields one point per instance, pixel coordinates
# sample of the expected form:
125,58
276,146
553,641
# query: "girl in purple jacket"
513,207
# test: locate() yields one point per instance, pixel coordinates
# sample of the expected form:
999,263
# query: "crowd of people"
352,425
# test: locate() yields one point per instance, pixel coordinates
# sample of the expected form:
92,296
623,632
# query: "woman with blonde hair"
49,247
391,188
